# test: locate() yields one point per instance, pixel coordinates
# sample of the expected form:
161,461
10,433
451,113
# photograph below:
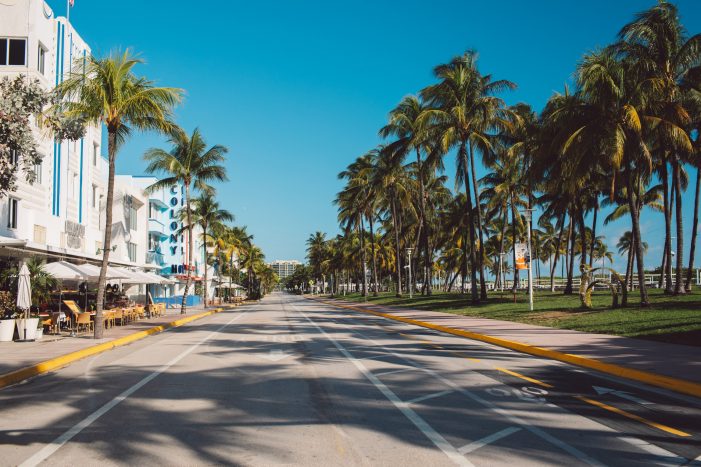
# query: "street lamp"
411,285
528,213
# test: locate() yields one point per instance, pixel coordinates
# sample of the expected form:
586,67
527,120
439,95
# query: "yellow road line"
666,382
637,418
524,377
16,376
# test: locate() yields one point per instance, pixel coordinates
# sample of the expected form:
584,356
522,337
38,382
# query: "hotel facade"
61,216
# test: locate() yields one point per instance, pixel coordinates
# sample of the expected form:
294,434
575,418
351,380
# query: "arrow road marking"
622,394
275,355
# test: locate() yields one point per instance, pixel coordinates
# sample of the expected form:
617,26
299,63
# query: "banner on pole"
521,250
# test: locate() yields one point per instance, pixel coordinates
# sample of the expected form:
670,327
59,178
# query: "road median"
653,379
30,371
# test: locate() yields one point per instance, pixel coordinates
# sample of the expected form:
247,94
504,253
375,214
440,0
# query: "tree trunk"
629,265
679,273
558,247
635,221
362,247
475,187
583,234
107,242
694,232
513,241
396,244
504,223
667,200
471,229
593,232
190,246
374,261
206,260
570,263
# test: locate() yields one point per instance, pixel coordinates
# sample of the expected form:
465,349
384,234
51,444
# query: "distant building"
285,268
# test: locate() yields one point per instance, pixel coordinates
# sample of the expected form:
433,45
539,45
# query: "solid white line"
429,396
56,444
391,372
423,426
475,445
664,457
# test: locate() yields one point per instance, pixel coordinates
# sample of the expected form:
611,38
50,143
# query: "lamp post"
411,284
501,271
529,214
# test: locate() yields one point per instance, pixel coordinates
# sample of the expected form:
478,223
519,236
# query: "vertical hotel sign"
521,250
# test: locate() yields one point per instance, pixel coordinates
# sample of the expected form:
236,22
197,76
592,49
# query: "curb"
653,379
37,369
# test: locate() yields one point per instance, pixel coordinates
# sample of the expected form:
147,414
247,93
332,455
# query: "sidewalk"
16,355
675,361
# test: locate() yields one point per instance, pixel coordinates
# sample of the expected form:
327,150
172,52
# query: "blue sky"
297,90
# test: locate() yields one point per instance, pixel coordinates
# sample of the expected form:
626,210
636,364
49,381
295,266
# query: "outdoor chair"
84,322
55,327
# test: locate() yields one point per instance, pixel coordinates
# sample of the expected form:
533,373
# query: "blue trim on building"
56,144
80,196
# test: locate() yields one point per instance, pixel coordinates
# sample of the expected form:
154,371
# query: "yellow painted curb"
16,376
653,379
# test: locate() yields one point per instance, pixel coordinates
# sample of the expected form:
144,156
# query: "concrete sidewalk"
17,355
675,361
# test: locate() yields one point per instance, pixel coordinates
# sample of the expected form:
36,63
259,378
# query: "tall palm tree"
208,216
192,164
465,110
106,91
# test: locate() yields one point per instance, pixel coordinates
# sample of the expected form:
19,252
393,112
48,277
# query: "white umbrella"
24,293
94,272
65,271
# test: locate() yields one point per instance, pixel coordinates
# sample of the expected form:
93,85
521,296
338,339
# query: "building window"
94,196
13,51
39,234
41,59
37,173
14,157
95,153
130,213
13,207
74,187
99,212
131,249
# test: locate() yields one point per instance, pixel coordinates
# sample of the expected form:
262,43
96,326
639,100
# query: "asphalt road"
293,381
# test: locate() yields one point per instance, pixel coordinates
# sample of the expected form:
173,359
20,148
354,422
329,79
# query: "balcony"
154,257
157,229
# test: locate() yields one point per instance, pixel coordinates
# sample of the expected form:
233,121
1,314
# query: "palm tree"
106,91
190,163
465,110
208,216
317,253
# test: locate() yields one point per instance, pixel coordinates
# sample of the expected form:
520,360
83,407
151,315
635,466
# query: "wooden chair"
83,321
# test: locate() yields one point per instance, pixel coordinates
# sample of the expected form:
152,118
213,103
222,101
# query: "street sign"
521,253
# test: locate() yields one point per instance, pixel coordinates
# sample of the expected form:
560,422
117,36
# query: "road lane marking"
622,394
56,444
439,441
524,377
475,445
429,396
664,457
632,416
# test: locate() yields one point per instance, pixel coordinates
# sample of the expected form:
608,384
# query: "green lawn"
668,319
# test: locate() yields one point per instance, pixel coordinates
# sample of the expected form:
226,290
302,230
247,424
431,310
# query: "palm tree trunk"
593,232
475,187
107,242
374,260
204,246
694,232
504,223
583,234
635,221
558,247
471,229
629,265
396,244
513,242
667,200
570,262
676,177
423,241
189,247
362,247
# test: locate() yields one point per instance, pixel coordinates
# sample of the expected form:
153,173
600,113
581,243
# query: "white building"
285,268
61,212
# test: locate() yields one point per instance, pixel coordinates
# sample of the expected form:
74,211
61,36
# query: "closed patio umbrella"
24,294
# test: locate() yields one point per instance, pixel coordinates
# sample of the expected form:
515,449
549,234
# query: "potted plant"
8,313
